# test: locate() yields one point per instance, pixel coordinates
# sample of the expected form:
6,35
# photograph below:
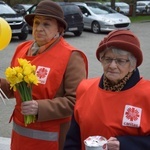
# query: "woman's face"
116,70
44,29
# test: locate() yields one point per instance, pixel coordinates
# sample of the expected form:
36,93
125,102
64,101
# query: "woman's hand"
113,144
29,107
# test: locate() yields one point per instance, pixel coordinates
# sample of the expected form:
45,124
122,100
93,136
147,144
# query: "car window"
140,4
31,10
5,9
122,5
98,10
27,6
84,10
108,5
103,9
18,6
70,9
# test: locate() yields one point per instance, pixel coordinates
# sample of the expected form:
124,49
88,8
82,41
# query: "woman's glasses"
118,61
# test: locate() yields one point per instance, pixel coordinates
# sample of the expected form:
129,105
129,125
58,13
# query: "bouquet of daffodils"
21,78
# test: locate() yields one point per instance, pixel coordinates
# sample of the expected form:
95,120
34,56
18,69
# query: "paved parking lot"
88,42
4,143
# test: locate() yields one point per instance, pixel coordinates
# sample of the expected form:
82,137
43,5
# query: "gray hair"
131,57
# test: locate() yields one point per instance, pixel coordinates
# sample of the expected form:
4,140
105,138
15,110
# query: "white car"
101,18
143,6
120,7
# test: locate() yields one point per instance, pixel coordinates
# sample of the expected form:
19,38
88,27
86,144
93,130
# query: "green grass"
140,18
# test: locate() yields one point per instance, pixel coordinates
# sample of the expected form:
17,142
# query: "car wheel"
95,27
77,33
23,36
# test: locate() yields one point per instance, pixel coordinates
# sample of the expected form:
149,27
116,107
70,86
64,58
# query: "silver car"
143,7
100,18
120,7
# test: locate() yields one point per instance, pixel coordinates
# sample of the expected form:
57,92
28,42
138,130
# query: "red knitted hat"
123,39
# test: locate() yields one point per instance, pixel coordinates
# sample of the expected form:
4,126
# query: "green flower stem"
29,119
25,92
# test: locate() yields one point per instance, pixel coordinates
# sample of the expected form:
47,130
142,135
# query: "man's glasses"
118,61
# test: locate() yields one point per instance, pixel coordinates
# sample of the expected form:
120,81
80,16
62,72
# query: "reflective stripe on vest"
35,134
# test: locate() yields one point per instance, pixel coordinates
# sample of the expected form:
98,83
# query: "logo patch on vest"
42,73
132,116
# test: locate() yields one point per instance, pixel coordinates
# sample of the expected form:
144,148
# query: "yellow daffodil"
23,62
22,78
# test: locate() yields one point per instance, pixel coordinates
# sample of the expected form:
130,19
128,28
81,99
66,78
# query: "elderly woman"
60,67
116,105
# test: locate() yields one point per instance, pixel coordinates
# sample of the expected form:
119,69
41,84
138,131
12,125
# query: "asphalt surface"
87,42
4,143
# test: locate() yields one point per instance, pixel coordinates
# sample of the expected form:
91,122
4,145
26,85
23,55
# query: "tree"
113,4
8,2
134,8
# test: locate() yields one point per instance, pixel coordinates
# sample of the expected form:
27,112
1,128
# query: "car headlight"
108,20
128,19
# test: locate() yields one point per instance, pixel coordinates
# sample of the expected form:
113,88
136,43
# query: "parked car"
21,8
72,15
120,7
101,18
143,6
16,21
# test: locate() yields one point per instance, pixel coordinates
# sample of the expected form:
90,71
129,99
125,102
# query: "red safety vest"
53,62
110,114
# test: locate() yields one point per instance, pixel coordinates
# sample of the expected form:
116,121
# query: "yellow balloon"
5,33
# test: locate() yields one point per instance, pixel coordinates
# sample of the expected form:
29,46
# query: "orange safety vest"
53,62
110,114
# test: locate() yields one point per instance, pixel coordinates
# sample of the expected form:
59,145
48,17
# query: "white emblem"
132,116
42,73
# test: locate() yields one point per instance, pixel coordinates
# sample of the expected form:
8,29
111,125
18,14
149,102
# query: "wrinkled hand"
113,144
29,107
